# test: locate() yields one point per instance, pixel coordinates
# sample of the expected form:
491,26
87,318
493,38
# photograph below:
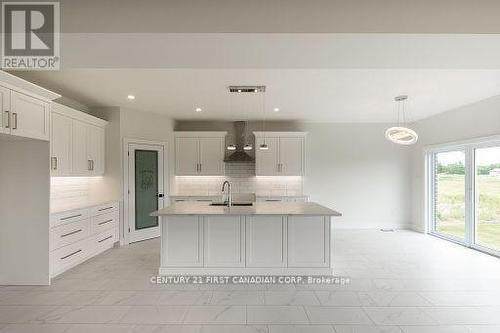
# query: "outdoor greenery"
451,204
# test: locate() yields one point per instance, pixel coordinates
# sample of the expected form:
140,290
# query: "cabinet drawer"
68,217
69,233
104,222
104,241
68,256
104,208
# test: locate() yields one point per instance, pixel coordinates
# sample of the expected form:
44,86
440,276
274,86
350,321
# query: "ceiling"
316,95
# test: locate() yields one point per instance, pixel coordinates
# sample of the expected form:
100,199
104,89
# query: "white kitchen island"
266,238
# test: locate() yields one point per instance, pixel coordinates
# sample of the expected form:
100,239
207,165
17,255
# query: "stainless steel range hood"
240,155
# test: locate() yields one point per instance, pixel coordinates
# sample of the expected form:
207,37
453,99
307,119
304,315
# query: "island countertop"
258,208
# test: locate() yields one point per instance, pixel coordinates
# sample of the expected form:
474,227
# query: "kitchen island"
264,238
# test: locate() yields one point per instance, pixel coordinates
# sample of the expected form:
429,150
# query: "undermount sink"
233,204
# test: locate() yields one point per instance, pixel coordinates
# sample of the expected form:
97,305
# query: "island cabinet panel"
224,242
308,241
182,241
265,241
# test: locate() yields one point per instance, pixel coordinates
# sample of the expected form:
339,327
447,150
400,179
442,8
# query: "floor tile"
337,315
276,315
224,314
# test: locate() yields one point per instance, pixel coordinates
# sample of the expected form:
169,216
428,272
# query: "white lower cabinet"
257,244
184,242
224,242
308,241
77,235
266,239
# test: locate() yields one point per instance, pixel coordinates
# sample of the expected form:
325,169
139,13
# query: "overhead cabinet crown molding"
285,155
77,143
199,153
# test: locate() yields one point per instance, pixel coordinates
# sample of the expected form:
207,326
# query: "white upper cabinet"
199,153
30,117
266,161
25,108
95,149
78,137
5,104
285,155
186,156
60,145
211,156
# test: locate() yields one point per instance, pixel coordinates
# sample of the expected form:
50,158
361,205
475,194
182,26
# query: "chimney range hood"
239,155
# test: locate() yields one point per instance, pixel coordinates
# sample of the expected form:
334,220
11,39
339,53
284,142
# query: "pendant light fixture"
401,134
264,145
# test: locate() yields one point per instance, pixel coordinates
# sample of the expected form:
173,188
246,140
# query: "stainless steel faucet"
229,199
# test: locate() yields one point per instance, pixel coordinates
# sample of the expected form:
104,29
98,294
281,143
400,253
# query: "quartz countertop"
258,208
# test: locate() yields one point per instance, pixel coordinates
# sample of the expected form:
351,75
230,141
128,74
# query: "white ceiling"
323,95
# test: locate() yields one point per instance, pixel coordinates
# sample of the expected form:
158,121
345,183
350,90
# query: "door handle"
54,163
160,195
8,119
14,115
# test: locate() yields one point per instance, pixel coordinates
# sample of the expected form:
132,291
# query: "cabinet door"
5,109
60,145
211,156
95,149
265,239
182,241
223,241
186,156
308,241
266,160
291,156
81,164
30,117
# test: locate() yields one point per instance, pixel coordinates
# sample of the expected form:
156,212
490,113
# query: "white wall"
352,168
476,120
24,211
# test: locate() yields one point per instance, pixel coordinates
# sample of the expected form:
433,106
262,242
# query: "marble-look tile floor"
400,282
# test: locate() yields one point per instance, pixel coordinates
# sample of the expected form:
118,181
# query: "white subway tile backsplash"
243,180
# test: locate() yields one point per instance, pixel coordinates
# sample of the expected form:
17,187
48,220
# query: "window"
463,193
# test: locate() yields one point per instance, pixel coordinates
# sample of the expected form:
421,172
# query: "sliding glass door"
449,191
487,231
464,194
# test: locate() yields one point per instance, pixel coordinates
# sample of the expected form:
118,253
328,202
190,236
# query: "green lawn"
451,208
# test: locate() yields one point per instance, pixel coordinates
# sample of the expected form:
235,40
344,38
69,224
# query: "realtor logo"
30,35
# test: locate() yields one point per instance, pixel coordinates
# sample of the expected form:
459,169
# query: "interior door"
146,179
186,156
60,145
291,156
211,156
5,109
29,116
267,160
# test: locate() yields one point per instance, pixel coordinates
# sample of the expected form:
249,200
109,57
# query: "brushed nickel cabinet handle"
102,240
106,208
69,217
89,165
200,167
8,119
14,115
71,233
104,222
71,254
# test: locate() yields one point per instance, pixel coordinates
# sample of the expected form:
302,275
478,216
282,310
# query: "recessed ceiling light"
276,109
198,109
131,97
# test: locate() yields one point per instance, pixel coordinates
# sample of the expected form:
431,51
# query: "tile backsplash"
243,180
70,192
